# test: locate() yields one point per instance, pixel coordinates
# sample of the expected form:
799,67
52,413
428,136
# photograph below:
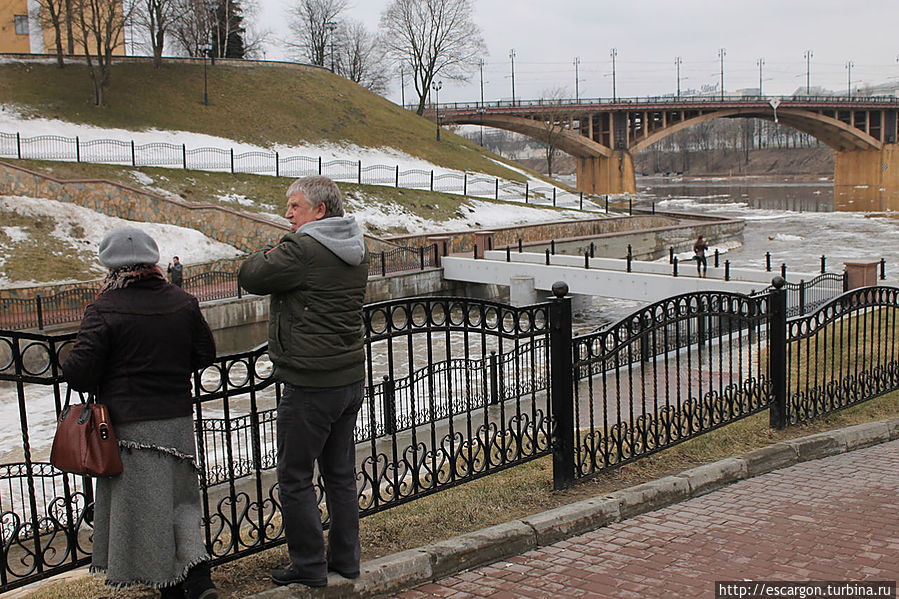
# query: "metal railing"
457,389
161,154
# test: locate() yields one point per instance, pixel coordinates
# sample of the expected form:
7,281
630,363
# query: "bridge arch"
564,139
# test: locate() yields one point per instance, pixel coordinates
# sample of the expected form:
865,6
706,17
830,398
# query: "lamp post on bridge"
849,66
722,52
677,63
613,53
512,58
761,63
577,61
808,70
437,87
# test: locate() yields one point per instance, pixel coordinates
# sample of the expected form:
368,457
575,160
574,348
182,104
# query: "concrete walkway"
818,508
832,519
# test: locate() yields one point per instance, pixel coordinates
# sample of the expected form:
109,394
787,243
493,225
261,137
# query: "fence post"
383,264
525,192
716,257
78,150
397,176
653,207
845,281
586,259
239,290
436,256
554,197
801,297
630,206
496,193
359,173
592,249
508,254
670,254
629,258
319,165
822,264
727,270
432,180
768,261
465,184
561,396
552,247
547,257
389,406
494,379
519,245
777,354
783,270
421,257
18,145
607,204
40,312
883,269
277,167
581,201
674,264
232,160
475,251
133,153
184,156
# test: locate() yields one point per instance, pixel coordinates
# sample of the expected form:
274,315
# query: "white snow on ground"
371,214
189,245
12,121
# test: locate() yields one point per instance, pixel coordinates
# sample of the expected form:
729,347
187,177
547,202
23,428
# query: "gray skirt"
148,520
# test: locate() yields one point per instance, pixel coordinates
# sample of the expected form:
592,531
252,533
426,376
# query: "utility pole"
613,53
722,52
849,66
808,70
761,63
577,61
512,58
677,63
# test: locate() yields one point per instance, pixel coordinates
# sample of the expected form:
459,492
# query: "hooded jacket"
316,277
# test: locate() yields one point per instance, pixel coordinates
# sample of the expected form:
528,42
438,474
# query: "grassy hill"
254,103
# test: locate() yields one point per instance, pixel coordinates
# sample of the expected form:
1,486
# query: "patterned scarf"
129,275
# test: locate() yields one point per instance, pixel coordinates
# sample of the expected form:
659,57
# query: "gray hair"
319,190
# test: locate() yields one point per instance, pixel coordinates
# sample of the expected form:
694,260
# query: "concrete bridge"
604,134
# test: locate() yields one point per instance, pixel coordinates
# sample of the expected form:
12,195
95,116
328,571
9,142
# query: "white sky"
649,34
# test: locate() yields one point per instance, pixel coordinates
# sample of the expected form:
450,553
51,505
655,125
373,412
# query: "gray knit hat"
127,246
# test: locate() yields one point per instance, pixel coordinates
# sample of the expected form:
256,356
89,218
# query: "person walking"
137,346
176,272
699,250
316,277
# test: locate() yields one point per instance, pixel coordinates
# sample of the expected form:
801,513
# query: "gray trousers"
316,423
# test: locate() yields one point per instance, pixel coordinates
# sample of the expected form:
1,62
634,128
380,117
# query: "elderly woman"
137,346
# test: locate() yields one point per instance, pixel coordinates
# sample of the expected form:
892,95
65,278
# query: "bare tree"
360,58
157,18
101,25
194,29
312,23
432,37
52,13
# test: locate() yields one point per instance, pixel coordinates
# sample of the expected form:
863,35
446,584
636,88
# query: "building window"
21,25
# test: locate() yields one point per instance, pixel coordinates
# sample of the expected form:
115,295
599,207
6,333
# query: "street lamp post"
577,61
613,53
331,26
677,63
761,63
437,87
722,52
206,49
849,66
512,58
808,70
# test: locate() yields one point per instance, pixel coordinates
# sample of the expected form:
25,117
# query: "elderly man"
316,277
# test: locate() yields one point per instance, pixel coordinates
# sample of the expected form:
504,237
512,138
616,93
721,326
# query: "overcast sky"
648,35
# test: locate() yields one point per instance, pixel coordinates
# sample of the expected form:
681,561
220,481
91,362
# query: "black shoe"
172,592
198,583
291,575
351,575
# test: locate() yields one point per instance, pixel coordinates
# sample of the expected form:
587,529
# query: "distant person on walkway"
138,344
316,276
176,272
699,250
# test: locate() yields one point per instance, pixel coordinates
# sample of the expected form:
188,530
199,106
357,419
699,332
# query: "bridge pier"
867,180
606,174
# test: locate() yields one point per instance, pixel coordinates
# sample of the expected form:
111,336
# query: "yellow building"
22,32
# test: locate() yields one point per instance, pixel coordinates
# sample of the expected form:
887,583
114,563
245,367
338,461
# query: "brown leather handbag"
85,442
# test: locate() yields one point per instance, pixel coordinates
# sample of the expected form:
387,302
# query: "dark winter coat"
137,348
316,277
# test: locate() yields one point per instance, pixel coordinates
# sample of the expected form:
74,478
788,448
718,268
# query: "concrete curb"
393,573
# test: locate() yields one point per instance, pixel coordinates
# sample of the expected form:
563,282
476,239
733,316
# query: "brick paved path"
833,519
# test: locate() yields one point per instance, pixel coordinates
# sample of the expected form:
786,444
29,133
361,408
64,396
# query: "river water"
791,218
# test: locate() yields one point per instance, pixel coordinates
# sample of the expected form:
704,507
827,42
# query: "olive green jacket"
316,277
